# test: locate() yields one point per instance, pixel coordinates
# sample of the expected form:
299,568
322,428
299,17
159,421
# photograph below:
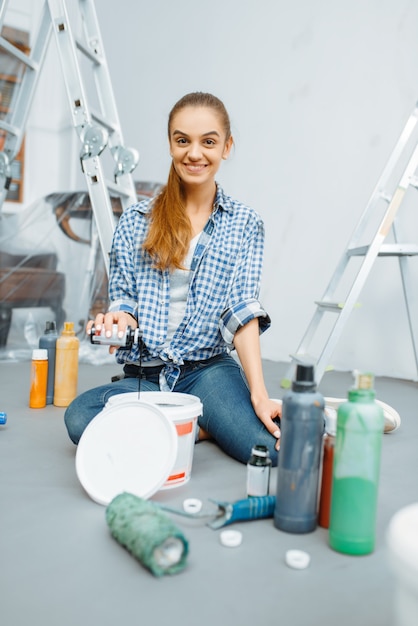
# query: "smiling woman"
186,268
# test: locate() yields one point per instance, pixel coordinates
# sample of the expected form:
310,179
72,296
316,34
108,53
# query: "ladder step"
118,190
110,126
330,306
9,128
18,54
389,249
92,56
306,359
335,307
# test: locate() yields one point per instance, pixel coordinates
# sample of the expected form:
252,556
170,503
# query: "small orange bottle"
66,366
38,379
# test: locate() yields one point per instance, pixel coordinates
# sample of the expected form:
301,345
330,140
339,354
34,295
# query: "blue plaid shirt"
223,292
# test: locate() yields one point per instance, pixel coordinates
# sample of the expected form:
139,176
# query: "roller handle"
243,510
253,508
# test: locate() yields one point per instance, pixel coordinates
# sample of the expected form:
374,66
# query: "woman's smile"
195,168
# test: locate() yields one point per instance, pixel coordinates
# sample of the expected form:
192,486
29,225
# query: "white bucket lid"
129,447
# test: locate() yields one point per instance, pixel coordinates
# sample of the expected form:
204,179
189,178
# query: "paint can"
183,410
402,542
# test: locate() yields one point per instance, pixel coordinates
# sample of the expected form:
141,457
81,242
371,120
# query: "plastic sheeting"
51,268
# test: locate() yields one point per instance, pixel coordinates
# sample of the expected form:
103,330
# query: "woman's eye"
181,141
209,142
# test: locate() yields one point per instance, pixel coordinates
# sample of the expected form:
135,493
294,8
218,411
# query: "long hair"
170,230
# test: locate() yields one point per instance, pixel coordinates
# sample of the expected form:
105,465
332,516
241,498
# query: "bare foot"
203,434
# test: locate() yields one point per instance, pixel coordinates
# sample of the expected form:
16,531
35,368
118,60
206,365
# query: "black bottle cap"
50,327
305,378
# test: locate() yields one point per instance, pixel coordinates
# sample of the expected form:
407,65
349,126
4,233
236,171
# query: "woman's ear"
228,146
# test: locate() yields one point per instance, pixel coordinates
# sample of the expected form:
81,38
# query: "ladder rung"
110,126
307,359
330,306
385,196
13,130
88,53
117,190
389,249
413,181
18,54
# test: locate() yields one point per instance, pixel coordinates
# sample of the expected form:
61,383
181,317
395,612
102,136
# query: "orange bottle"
66,366
327,467
38,379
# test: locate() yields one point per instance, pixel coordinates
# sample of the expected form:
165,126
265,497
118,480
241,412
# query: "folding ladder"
398,174
96,130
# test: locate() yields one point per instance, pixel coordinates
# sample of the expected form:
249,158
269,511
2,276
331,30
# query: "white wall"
318,92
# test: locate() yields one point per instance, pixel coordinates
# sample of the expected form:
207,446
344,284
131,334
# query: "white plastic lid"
192,505
40,354
231,538
297,559
130,447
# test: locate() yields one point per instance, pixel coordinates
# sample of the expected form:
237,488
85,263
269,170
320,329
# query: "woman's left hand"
267,411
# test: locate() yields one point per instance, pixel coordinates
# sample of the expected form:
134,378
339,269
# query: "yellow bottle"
66,366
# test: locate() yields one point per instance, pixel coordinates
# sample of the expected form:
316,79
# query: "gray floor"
60,565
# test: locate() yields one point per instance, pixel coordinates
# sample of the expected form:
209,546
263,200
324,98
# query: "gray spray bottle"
302,428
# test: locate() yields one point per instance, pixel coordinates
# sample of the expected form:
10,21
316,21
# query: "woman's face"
198,144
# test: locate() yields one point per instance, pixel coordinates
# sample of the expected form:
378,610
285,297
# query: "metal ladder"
97,130
404,159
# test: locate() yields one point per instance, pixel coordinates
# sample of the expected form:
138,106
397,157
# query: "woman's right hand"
108,320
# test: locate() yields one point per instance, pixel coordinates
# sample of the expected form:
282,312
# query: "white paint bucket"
402,541
184,410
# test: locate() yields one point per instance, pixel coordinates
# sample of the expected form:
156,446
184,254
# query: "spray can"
38,379
302,427
356,470
327,463
258,472
66,366
48,341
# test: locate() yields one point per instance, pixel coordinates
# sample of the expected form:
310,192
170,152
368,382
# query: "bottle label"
258,480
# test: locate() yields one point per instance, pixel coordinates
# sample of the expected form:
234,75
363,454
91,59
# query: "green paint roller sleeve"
147,533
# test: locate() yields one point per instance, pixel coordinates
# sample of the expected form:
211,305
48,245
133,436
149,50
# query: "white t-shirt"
179,288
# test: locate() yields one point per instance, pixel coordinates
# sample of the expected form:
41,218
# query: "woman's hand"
108,320
268,410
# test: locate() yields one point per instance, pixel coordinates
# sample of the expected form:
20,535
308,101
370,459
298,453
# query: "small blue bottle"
302,428
48,341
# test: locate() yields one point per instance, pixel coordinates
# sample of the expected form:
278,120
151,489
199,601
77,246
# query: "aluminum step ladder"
399,174
99,131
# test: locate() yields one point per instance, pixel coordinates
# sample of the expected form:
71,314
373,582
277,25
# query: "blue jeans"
219,383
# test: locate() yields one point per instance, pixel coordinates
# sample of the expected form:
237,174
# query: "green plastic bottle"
356,470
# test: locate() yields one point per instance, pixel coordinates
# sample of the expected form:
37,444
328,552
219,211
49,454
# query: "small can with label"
258,472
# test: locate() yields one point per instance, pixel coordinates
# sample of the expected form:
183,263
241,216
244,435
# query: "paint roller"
147,533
